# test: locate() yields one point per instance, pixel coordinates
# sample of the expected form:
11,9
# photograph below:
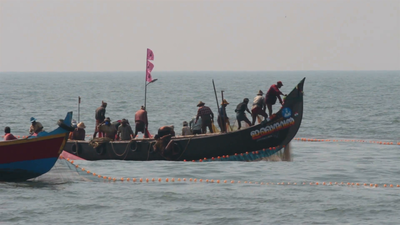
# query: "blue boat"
23,159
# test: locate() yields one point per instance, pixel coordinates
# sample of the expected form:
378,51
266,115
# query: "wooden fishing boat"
266,138
23,159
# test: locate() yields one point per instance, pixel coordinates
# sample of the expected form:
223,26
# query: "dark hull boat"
261,140
27,158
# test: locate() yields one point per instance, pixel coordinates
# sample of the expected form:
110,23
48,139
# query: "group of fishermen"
121,130
258,108
35,128
205,118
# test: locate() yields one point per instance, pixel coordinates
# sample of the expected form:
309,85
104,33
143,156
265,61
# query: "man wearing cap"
222,117
107,128
207,117
272,94
79,132
35,127
125,131
186,129
100,115
258,107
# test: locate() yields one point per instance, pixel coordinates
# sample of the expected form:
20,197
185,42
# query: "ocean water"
354,110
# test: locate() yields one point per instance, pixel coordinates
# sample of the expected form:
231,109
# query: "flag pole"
145,82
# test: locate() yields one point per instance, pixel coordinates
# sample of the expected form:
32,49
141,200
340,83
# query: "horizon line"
135,71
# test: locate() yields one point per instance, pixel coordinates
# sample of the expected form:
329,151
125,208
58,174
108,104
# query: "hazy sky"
113,35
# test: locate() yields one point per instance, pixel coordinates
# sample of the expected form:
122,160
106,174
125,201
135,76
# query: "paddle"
216,98
215,92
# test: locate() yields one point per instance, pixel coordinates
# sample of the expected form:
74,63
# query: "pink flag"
148,76
150,55
150,66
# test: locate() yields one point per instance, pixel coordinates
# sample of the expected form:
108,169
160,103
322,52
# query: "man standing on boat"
124,131
141,122
100,115
258,107
222,117
272,94
207,117
241,113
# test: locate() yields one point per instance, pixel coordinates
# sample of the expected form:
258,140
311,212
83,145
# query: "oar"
215,92
216,99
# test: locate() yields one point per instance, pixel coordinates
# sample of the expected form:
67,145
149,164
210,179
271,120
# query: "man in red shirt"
272,94
141,123
8,136
207,117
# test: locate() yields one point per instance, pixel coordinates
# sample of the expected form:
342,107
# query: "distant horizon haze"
194,35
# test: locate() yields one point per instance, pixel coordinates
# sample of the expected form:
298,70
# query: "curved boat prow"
64,127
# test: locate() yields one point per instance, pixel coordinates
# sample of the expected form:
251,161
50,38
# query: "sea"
345,164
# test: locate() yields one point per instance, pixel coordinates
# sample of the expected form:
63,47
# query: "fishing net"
62,172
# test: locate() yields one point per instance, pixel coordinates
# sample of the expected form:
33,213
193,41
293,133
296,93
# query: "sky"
199,35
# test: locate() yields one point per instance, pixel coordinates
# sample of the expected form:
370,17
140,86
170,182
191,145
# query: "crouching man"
164,143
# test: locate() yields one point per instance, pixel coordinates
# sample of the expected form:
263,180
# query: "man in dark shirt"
272,94
100,115
223,119
207,117
124,131
164,143
240,113
79,132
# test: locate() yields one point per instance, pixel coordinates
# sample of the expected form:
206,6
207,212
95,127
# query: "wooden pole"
79,106
215,92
